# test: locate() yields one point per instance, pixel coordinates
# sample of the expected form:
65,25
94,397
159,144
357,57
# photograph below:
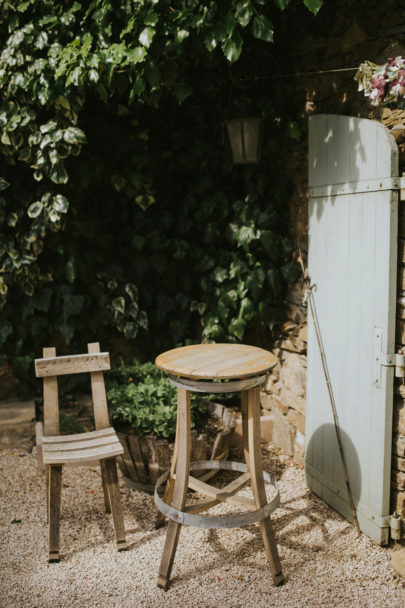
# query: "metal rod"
329,386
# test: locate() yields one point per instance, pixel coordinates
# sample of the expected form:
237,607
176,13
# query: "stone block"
401,277
283,433
398,502
293,373
398,445
399,418
400,331
271,402
398,463
303,333
272,384
297,420
291,400
299,450
296,313
293,345
398,479
401,242
266,431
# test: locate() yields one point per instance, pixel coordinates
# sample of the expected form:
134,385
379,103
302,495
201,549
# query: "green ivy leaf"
118,305
58,174
182,35
282,4
182,91
262,28
136,55
139,85
74,135
34,210
3,184
93,76
70,271
61,203
314,5
146,36
232,47
244,13
143,320
132,291
130,330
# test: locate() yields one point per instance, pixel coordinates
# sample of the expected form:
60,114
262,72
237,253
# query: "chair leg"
256,469
54,489
115,501
183,442
107,501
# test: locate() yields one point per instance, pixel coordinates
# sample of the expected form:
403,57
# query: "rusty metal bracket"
221,521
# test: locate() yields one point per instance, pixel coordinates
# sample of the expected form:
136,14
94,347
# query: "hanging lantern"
245,136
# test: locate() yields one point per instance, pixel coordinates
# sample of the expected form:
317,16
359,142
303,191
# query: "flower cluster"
383,84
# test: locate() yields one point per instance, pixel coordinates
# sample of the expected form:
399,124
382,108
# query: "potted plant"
144,411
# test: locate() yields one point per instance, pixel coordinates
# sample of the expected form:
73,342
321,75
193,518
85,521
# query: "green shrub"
146,401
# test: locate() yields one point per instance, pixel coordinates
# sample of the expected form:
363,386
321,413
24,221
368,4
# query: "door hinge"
396,360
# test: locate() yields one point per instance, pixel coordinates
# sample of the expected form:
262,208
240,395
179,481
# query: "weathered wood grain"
219,361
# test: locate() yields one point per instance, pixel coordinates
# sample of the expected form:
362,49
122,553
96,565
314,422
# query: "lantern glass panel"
245,138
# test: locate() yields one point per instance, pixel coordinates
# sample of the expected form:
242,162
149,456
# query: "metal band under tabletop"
216,387
222,521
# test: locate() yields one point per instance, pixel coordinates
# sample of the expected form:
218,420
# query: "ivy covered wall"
122,217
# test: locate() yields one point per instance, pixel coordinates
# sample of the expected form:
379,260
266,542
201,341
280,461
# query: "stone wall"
344,34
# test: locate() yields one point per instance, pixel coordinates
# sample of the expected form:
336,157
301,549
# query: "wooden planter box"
145,459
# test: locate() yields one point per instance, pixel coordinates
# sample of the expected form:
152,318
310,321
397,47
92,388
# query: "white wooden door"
353,219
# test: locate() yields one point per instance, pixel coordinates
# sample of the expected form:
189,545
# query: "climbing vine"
120,210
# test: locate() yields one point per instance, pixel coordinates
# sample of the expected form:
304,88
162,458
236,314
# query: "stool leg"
256,469
107,502
168,493
115,502
54,490
183,442
245,427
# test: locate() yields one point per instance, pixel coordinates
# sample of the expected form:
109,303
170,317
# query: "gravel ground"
324,562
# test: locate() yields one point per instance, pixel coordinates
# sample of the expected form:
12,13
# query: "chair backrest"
51,366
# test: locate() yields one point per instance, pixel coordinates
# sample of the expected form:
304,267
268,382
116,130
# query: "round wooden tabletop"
216,361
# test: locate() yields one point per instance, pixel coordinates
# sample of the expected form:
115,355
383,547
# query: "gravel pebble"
324,562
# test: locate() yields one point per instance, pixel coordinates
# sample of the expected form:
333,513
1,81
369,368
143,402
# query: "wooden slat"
69,446
136,452
220,361
85,455
221,494
110,432
51,404
207,503
100,408
51,366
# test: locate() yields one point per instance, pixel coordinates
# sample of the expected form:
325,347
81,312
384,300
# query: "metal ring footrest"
222,521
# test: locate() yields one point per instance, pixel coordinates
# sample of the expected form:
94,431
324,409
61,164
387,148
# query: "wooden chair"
55,450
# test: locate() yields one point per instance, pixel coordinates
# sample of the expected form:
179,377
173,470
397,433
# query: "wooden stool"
55,450
234,368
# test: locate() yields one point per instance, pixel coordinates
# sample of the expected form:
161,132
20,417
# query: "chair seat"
84,447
